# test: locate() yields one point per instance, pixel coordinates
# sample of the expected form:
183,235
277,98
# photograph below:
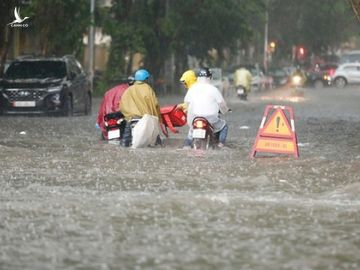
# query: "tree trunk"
8,35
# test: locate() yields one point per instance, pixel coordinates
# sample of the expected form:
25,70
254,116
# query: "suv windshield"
350,58
36,70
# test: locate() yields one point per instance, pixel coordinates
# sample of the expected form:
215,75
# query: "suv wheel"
68,106
88,103
340,82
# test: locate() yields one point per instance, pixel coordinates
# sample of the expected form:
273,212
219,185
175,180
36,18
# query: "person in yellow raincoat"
187,79
243,78
138,100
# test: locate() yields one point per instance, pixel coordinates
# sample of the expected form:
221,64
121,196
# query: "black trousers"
127,136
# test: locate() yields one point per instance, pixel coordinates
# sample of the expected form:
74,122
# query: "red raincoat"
110,103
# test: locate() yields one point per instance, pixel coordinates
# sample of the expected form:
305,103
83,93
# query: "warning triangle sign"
276,134
277,126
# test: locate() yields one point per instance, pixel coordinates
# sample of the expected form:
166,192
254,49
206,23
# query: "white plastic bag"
145,131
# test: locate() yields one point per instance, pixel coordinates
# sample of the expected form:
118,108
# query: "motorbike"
114,124
297,83
172,117
241,92
203,134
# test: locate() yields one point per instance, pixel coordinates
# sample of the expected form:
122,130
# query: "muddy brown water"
71,201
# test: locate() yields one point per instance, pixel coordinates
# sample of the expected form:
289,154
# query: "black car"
56,85
279,75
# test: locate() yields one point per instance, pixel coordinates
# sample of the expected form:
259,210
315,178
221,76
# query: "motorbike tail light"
331,72
200,124
112,122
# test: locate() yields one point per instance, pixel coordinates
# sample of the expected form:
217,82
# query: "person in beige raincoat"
138,100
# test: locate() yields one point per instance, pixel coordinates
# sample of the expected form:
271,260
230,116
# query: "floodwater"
71,201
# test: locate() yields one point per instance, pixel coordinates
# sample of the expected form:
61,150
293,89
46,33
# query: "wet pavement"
71,201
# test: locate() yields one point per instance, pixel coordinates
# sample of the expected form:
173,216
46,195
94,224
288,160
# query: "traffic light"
301,51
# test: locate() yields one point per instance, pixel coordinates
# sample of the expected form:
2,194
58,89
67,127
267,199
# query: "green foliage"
159,28
6,16
203,25
61,24
318,25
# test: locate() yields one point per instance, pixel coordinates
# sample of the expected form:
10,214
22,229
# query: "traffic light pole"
266,37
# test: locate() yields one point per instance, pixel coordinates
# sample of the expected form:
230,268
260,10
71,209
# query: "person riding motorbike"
110,102
139,99
243,78
205,100
298,77
188,78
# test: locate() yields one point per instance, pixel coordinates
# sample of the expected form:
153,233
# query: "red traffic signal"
301,51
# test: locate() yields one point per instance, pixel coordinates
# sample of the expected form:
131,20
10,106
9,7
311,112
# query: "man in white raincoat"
205,100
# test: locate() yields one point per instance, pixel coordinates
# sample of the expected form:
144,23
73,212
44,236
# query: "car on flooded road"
55,85
260,81
345,74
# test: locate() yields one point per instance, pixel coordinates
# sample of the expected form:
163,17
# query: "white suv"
348,73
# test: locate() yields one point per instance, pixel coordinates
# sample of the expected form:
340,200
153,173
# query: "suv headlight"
55,98
54,89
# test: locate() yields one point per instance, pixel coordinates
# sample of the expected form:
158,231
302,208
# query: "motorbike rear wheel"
202,144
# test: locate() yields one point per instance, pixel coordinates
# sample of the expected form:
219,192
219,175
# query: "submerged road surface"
71,201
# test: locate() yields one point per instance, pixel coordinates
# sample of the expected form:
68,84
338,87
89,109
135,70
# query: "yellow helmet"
188,78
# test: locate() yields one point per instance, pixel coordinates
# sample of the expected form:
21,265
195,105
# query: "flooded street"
71,201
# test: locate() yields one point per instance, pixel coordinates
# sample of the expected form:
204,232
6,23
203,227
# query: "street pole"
266,37
91,40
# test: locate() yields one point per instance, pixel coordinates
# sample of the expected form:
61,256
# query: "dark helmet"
205,72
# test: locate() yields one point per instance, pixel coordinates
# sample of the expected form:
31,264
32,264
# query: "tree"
60,24
319,26
6,16
160,28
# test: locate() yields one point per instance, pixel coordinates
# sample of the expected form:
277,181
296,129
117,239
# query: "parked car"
260,81
56,85
280,76
321,75
348,73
